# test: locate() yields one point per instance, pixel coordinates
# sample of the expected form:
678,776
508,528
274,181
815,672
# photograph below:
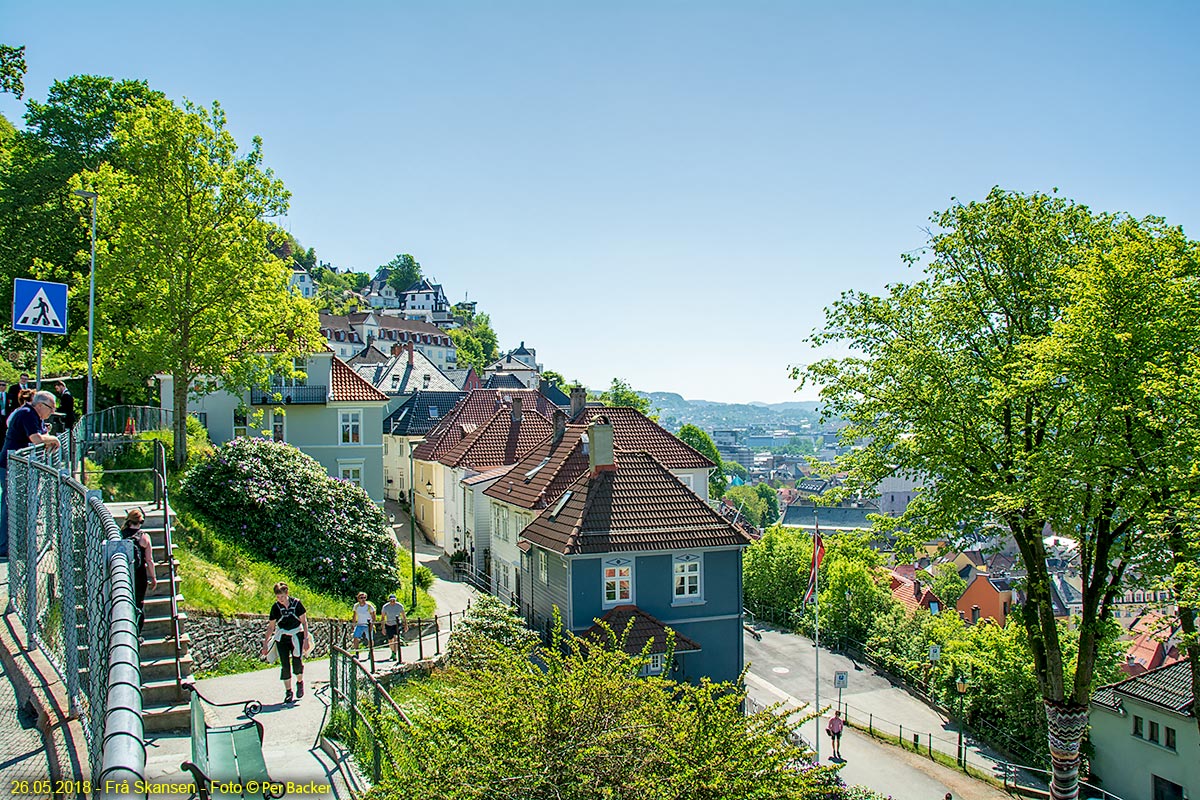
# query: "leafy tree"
979,375
734,468
702,443
468,350
749,503
405,271
488,627
579,723
771,498
481,329
12,70
190,287
775,570
620,393
948,585
555,378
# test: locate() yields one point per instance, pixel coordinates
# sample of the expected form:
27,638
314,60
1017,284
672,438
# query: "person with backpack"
143,562
287,629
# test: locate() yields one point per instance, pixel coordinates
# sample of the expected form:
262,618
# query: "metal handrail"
160,477
366,673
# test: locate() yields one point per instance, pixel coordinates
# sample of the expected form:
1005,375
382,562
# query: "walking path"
23,755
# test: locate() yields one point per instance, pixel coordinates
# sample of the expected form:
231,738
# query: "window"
1137,726
202,416
655,665
618,581
433,412
544,571
351,426
240,425
351,471
686,480
277,429
1153,732
687,576
1169,740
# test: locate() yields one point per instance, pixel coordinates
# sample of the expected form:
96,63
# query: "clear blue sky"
670,192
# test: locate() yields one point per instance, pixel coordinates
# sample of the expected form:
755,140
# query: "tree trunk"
179,423
1067,722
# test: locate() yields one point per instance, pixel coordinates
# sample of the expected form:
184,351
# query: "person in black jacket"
143,562
66,403
12,398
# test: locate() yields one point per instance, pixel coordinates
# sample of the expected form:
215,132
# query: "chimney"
516,410
600,453
560,424
410,354
397,349
543,385
917,588
578,401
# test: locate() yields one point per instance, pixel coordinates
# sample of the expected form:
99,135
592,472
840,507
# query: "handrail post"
353,701
437,639
32,502
420,642
376,761
66,555
333,684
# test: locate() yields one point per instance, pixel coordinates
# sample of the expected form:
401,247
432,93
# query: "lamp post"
412,521
961,685
91,392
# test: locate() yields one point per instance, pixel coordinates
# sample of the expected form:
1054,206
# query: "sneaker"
287,698
393,658
299,689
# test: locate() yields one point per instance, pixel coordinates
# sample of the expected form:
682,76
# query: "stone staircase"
164,704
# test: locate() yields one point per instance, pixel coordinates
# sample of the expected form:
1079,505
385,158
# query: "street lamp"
961,685
91,391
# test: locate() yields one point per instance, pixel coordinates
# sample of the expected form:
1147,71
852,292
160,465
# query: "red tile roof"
472,411
645,630
635,432
499,441
905,591
347,386
638,506
534,484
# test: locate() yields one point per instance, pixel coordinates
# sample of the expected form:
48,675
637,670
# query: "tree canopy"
12,70
1003,375
191,288
620,393
404,272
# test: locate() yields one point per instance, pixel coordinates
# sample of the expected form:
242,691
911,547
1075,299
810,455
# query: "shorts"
360,630
390,631
835,735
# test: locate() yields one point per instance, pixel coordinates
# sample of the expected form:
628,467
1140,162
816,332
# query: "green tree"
972,375
702,443
749,503
468,350
488,627
734,468
948,585
405,271
555,378
12,70
620,393
578,723
771,499
191,289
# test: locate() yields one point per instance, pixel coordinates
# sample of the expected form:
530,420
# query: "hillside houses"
349,335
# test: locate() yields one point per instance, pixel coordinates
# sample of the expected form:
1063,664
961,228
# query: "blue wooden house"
627,540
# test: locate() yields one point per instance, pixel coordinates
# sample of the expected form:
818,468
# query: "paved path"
22,751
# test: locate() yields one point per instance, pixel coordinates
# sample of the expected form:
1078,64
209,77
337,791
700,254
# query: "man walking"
835,734
393,618
66,403
364,622
26,426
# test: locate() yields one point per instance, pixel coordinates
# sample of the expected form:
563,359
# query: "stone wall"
214,637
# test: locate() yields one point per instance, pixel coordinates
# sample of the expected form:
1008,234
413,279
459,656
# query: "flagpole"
817,616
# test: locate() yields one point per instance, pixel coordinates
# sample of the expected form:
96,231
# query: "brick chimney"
410,354
578,401
600,450
917,589
516,410
560,424
397,349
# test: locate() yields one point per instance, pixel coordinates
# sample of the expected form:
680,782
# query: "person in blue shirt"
26,426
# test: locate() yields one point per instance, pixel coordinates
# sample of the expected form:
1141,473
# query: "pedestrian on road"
364,622
26,426
143,563
393,617
287,628
834,730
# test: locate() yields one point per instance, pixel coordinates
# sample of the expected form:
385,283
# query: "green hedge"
281,505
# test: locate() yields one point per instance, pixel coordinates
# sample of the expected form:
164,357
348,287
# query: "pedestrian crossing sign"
39,306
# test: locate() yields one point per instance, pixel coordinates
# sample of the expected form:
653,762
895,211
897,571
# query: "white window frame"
350,422
686,480
656,664
689,567
278,418
356,465
619,572
543,568
243,429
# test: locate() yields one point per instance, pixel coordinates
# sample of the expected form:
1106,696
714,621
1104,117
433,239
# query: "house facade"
349,335
330,413
302,283
628,541
426,301
1143,731
379,292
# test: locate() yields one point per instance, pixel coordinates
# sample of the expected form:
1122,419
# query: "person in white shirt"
364,621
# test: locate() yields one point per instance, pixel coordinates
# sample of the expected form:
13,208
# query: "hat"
391,597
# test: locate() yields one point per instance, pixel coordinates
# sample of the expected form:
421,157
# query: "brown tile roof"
638,506
1168,687
534,484
635,432
348,386
394,323
904,591
499,441
472,411
645,629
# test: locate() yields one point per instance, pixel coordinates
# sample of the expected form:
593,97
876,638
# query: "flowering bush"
279,504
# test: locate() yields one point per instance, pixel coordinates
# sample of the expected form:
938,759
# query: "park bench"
227,760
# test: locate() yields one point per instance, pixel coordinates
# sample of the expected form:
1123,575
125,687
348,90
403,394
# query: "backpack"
289,620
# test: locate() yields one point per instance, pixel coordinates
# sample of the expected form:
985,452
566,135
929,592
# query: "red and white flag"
817,557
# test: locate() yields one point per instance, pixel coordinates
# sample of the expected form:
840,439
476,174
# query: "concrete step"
164,646
155,669
161,692
159,605
160,626
166,717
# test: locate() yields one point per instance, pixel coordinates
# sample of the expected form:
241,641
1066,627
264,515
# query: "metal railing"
162,492
288,395
365,717
71,579
426,634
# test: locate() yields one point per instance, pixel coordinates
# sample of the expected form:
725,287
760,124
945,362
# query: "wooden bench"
227,760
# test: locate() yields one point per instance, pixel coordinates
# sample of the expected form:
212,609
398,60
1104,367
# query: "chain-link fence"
366,719
71,582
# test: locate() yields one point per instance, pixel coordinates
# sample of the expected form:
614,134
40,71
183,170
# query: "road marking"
781,670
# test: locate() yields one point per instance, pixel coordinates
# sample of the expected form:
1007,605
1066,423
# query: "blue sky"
669,192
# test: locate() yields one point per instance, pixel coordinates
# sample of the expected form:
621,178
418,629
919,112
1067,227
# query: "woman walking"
287,629
143,562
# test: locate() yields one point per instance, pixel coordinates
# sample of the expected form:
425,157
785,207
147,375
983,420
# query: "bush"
280,505
424,577
488,625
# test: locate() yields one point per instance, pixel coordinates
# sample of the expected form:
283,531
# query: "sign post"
841,679
39,307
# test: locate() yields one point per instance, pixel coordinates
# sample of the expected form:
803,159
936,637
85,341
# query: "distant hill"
674,412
